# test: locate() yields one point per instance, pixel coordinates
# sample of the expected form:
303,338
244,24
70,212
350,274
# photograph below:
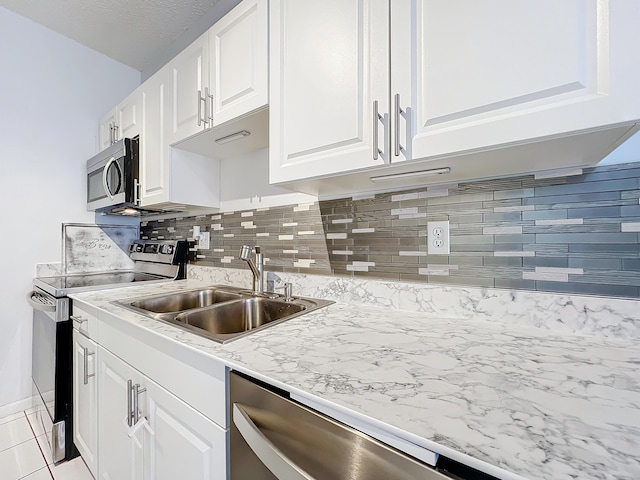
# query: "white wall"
53,91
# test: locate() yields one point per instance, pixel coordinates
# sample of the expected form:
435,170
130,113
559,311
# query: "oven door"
112,177
52,370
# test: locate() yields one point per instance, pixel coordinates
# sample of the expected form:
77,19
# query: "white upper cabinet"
170,177
124,121
450,78
472,75
222,75
154,149
238,47
329,65
189,96
214,88
129,117
107,129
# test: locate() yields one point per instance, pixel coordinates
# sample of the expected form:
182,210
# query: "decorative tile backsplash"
574,234
560,313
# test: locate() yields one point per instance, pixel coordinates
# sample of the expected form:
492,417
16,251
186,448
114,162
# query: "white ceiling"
134,32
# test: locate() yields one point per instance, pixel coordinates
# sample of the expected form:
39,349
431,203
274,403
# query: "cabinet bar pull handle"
79,320
208,105
110,133
85,358
129,403
136,192
136,392
397,111
115,133
376,118
199,107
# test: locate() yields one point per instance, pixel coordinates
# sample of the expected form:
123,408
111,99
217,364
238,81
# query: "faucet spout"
257,268
245,253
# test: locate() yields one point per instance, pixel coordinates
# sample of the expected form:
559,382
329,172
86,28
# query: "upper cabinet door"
329,63
189,101
124,121
471,75
129,117
154,148
238,46
106,129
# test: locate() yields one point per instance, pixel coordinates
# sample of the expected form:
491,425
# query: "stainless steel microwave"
112,178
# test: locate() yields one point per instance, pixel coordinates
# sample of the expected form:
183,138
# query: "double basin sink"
223,313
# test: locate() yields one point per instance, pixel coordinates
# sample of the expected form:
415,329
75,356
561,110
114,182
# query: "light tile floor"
25,455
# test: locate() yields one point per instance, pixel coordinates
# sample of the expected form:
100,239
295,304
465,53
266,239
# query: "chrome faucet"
257,268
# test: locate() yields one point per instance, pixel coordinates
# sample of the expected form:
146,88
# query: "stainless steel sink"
223,313
239,316
178,302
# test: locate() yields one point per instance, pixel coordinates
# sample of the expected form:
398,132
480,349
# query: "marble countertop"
519,402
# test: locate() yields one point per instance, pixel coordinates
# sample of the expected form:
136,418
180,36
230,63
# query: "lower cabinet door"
170,441
119,457
182,443
85,399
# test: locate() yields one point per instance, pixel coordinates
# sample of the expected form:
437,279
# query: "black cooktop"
97,279
61,286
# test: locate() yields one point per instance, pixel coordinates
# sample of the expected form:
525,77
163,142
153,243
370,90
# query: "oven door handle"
270,455
38,305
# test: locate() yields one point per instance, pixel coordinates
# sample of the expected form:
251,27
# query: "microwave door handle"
105,171
270,455
136,192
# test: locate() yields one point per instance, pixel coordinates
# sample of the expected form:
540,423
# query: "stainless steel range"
153,261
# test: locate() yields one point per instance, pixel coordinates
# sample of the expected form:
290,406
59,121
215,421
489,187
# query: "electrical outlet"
203,241
438,238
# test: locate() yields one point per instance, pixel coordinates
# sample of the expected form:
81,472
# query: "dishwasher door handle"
270,455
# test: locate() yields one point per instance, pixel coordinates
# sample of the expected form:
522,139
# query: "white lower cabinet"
130,427
184,444
166,439
85,399
117,456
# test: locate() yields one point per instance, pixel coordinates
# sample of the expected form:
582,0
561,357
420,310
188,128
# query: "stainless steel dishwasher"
273,437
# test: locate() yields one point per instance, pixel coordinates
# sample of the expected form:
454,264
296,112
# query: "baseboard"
16,407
